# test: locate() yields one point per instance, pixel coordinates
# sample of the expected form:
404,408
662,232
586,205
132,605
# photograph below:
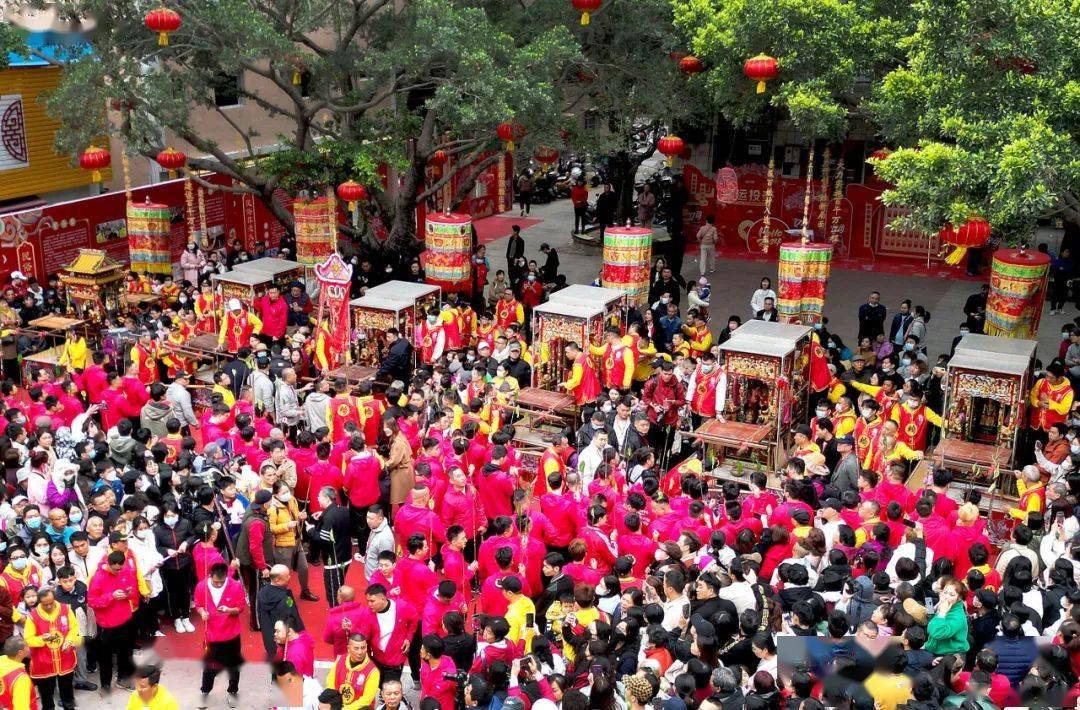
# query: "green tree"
987,103
384,82
827,52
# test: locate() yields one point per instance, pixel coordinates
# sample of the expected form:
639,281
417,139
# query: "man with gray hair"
287,403
726,691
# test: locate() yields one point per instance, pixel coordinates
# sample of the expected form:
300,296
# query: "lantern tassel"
96,176
172,174
761,87
296,78
163,39
584,19
509,146
670,160
352,207
956,256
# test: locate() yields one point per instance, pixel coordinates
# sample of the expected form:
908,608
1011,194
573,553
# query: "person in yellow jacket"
519,611
237,327
322,352
149,693
354,675
646,355
16,689
700,338
223,386
75,353
616,360
286,525
1032,492
52,633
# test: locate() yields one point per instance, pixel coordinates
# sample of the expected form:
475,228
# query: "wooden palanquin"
985,405
554,326
245,286
614,302
93,283
372,316
283,272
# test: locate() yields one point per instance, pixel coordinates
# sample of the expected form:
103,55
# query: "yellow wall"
48,171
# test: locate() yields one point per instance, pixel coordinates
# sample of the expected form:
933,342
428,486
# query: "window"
592,122
226,89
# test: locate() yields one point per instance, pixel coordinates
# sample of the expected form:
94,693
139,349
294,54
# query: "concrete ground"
733,281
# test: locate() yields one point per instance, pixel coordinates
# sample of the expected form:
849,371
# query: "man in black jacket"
515,247
517,368
275,603
238,371
397,364
558,584
334,533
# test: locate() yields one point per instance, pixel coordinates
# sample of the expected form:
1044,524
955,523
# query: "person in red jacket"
434,669
273,310
113,594
460,505
219,601
361,483
601,549
454,565
391,625
417,518
494,646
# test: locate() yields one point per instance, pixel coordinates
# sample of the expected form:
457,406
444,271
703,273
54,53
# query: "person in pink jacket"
441,602
295,646
343,620
219,601
113,594
391,625
417,518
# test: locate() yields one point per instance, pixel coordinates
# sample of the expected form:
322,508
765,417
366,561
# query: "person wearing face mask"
913,418
175,538
32,522
431,338
143,546
286,526
886,395
21,571
867,429
705,390
532,293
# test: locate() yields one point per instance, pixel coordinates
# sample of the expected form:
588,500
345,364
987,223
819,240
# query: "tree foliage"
988,104
386,82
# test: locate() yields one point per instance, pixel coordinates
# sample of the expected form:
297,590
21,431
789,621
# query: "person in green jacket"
948,630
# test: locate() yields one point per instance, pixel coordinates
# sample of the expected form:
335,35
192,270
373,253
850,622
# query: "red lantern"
509,131
172,160
972,234
352,192
585,7
881,154
761,69
546,156
691,65
671,146
437,160
163,21
96,159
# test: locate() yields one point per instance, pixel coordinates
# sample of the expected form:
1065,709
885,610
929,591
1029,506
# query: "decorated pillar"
149,228
627,260
447,259
1017,291
333,337
802,279
316,225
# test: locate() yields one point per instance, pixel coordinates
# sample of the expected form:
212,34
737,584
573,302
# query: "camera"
459,677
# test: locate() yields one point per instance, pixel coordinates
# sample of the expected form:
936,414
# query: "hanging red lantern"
172,160
691,65
546,156
585,7
761,69
972,234
163,21
671,145
96,159
352,192
881,154
438,159
509,131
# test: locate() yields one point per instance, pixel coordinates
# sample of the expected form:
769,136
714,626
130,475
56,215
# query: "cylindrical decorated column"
448,238
802,279
149,228
627,259
314,231
1017,290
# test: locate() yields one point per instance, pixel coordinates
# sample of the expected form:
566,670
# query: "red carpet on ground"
489,229
190,646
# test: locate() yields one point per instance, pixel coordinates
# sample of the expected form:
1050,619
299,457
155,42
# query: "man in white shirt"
380,539
676,605
829,521
298,692
591,457
739,592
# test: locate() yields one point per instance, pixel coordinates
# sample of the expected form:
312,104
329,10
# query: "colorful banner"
447,263
627,260
149,233
1017,290
803,275
315,232
334,277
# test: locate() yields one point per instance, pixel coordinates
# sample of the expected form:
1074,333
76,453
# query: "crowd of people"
613,571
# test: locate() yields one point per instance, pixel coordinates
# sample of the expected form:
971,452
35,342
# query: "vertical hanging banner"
334,277
149,232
